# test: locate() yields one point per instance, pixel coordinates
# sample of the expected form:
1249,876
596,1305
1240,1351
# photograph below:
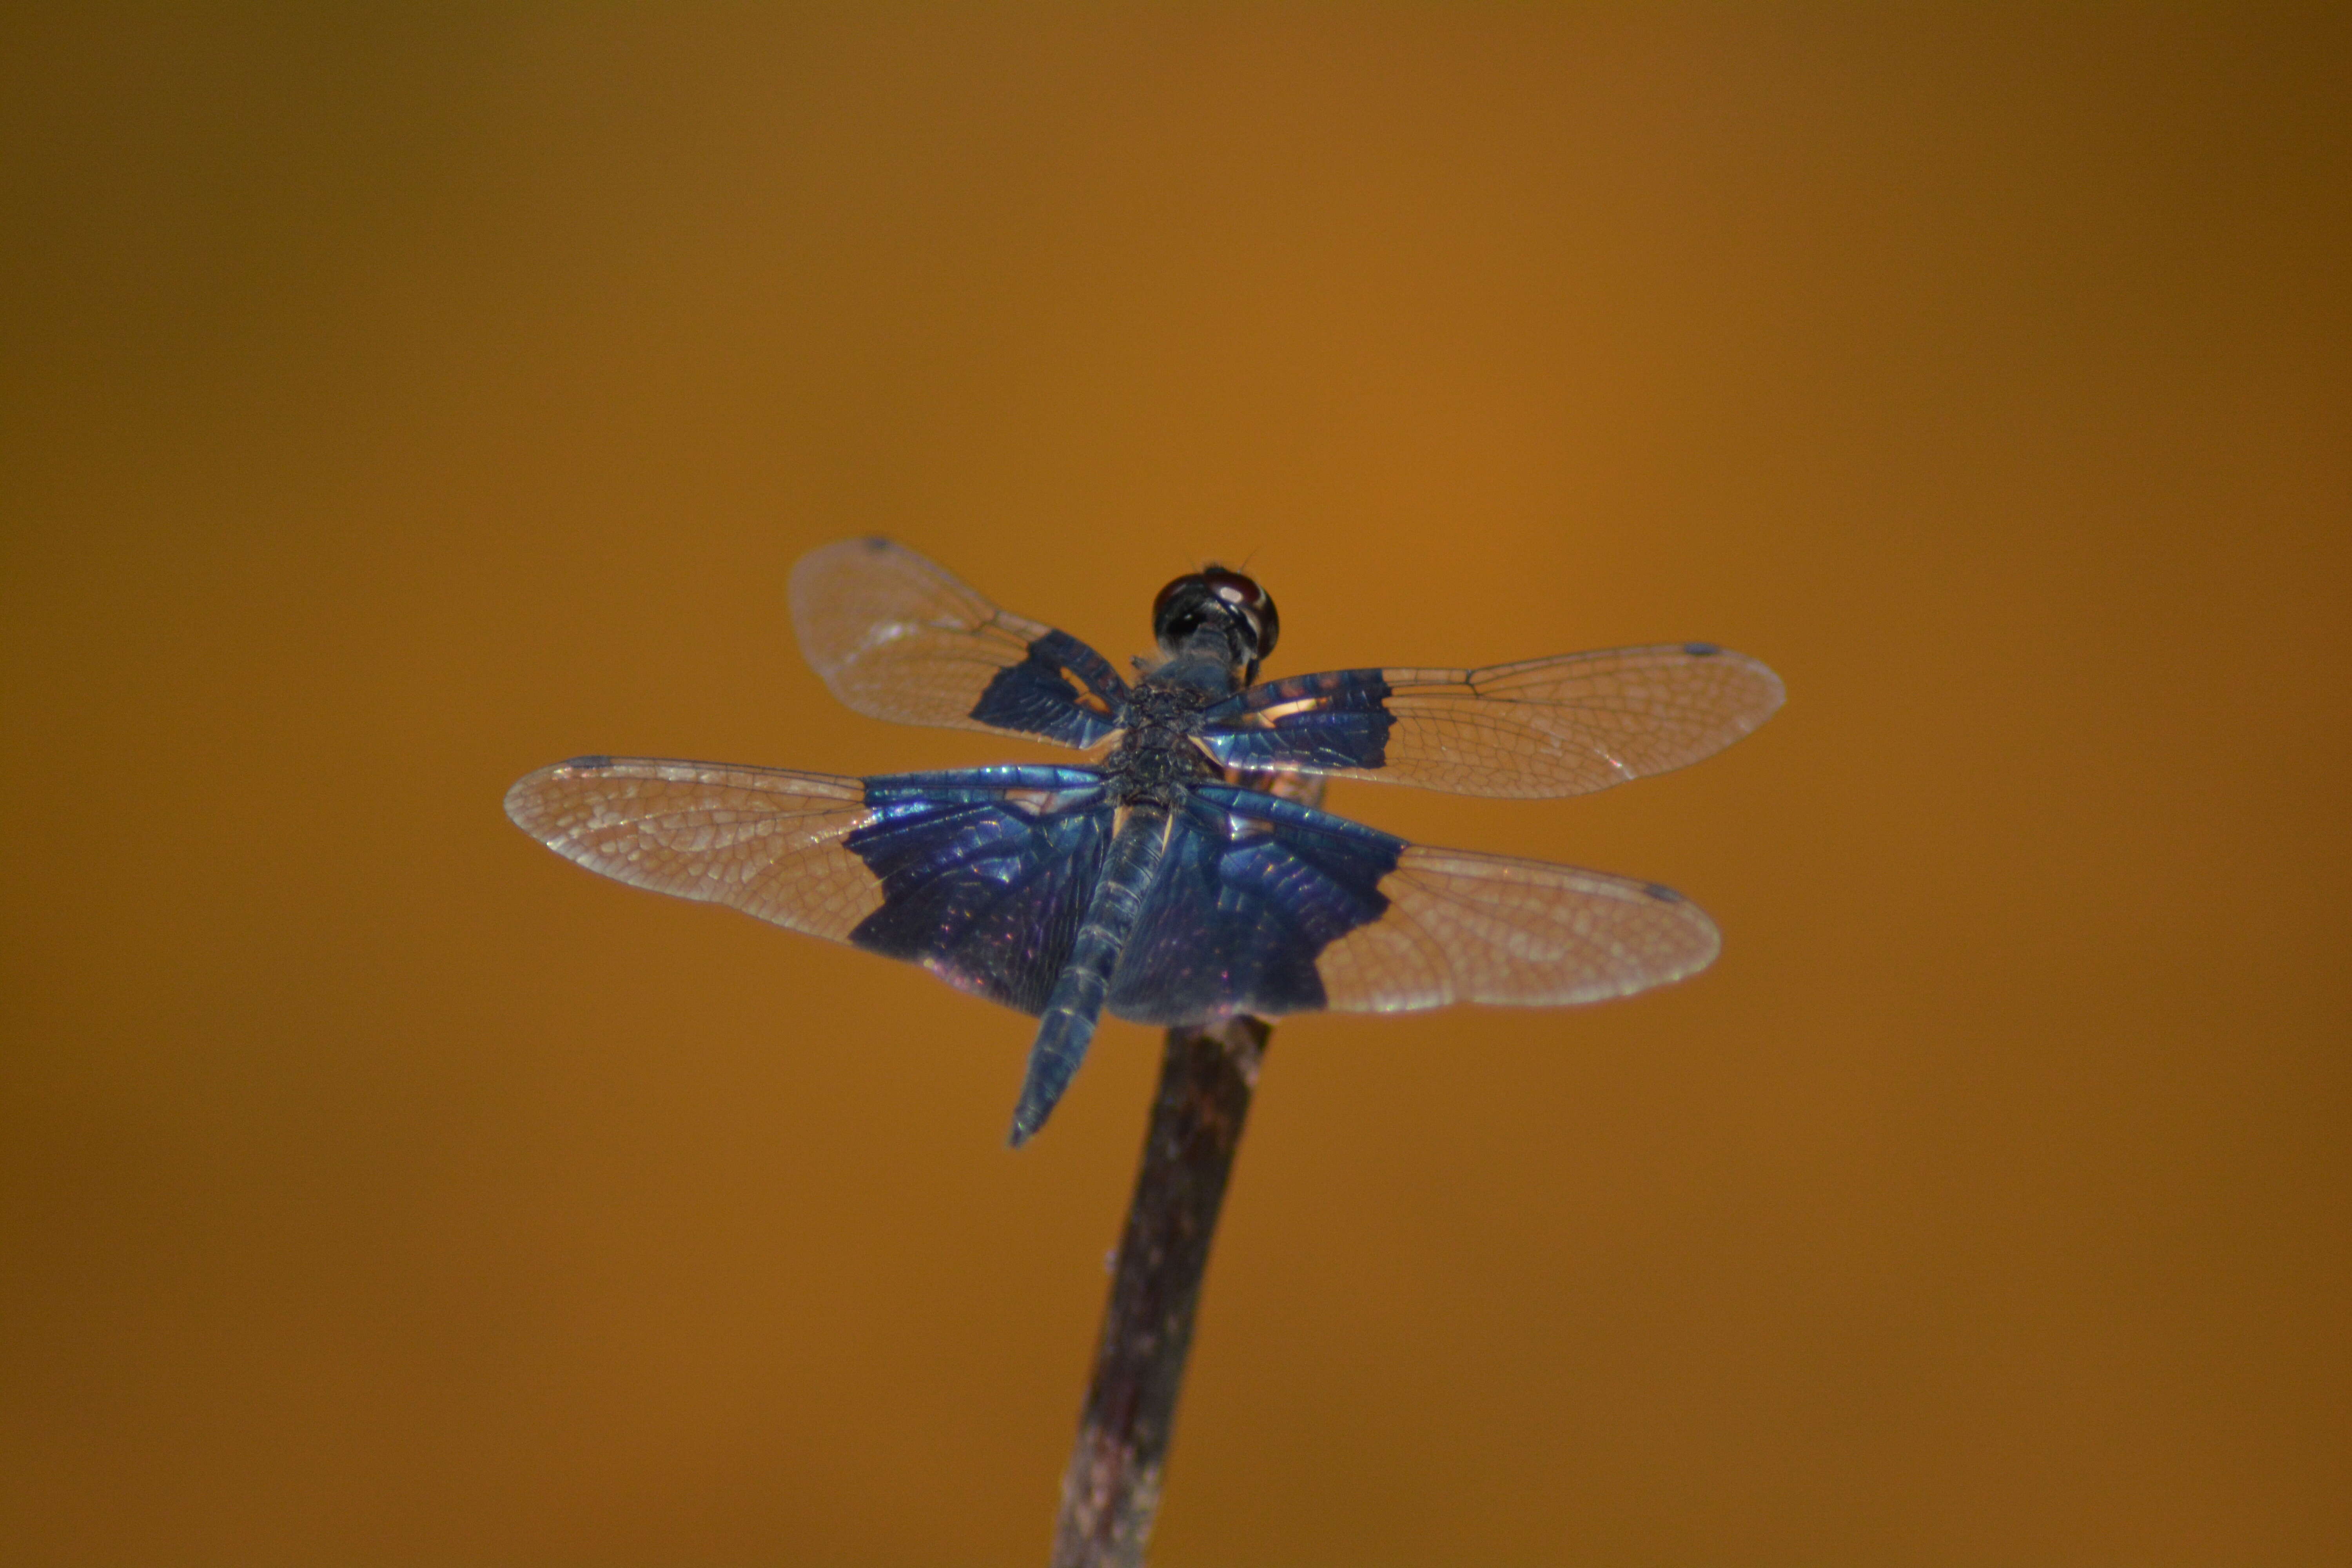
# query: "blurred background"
391,404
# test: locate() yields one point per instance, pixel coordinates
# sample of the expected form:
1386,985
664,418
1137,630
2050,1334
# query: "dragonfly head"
1221,609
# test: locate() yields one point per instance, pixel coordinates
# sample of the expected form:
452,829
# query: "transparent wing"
1264,906
1463,927
1545,727
979,875
898,639
763,840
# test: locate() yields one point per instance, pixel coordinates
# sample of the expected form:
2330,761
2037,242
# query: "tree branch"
1111,1491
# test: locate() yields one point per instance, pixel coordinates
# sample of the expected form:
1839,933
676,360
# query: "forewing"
1545,727
1269,907
979,875
898,639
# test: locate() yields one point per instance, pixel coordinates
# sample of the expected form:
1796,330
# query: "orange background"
394,405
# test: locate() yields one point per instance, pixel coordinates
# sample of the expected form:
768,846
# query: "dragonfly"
1170,881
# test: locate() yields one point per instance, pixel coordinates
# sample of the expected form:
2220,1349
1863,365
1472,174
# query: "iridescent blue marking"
1035,697
1252,891
1341,721
984,890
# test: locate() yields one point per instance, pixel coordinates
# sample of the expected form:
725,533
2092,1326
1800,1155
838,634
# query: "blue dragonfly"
1163,882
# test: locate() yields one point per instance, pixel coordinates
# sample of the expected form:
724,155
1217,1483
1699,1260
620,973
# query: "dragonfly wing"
1464,926
1545,727
980,875
1252,890
985,886
1268,907
898,638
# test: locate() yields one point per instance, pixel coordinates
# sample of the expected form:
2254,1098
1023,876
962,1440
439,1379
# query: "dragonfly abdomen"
1075,1007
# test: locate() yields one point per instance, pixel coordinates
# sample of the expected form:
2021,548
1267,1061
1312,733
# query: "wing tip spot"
593,760
1702,649
1663,893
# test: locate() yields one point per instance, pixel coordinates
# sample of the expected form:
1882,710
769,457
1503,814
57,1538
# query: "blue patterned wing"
981,875
1270,908
898,638
1547,727
985,873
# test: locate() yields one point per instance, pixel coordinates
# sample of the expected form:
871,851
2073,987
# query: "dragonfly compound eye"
1214,595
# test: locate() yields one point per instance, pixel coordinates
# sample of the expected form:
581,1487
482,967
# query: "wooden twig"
1112,1489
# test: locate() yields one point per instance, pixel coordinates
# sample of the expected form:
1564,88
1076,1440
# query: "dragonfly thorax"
1157,757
